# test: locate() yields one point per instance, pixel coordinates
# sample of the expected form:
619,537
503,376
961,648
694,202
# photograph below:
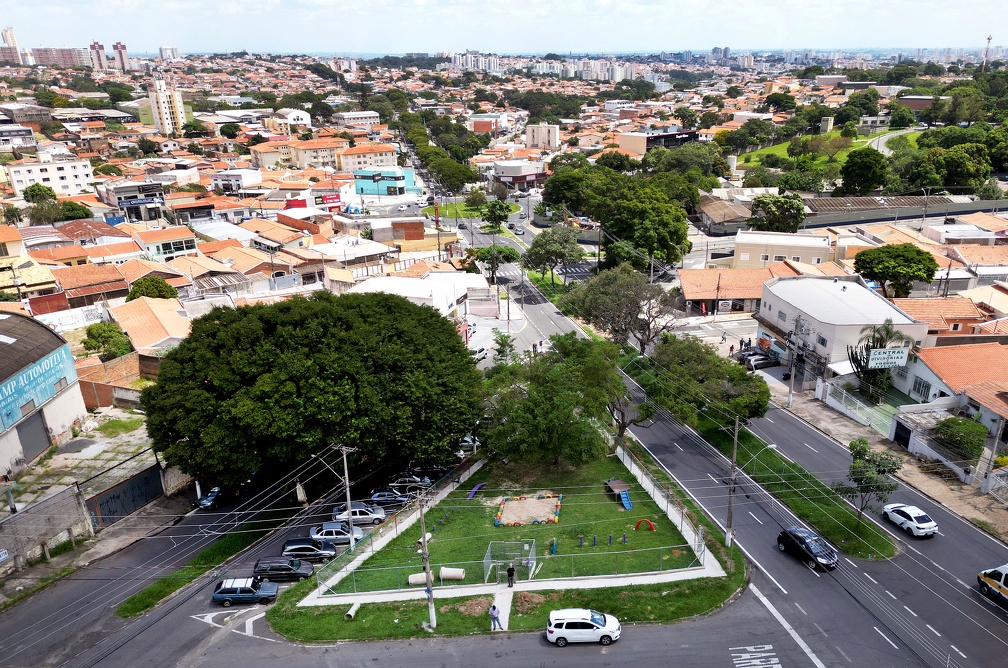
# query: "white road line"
781,453
933,630
678,446
957,651
769,420
819,628
803,611
895,646
755,518
853,565
961,583
250,621
787,627
910,611
811,448
871,578
890,594
837,648
712,477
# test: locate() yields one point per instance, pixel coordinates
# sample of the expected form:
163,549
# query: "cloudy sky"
596,26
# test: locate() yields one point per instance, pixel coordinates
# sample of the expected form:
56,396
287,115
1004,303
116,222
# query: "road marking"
957,651
802,611
819,627
890,594
842,653
910,611
811,448
933,630
208,618
755,518
248,628
787,627
961,582
871,578
712,477
853,565
769,420
895,646
779,452
678,446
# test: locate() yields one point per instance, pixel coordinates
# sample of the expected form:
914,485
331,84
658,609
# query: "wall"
64,321
51,521
174,481
62,412
918,446
120,500
149,365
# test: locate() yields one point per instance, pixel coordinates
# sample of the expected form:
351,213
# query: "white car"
911,519
581,625
403,207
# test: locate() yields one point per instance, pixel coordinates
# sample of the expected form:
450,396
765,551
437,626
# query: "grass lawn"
911,136
753,158
463,528
551,286
118,426
660,603
460,210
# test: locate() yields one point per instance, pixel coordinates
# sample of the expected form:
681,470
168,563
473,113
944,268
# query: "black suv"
309,549
808,546
274,569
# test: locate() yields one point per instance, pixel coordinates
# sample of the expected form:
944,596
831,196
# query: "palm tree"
875,382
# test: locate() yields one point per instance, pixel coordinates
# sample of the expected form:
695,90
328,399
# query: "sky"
538,26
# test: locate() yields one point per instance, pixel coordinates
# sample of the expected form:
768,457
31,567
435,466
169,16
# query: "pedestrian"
749,343
731,350
741,344
510,572
724,337
495,622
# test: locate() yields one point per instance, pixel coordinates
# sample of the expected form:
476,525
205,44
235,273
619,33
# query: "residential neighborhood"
579,346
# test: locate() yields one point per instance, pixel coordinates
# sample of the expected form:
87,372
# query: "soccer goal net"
500,554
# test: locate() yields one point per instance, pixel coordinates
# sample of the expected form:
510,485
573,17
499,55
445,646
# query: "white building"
169,53
357,119
120,57
233,180
616,105
97,53
65,177
824,315
542,136
16,138
166,105
10,41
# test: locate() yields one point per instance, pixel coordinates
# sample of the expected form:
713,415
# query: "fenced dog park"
604,518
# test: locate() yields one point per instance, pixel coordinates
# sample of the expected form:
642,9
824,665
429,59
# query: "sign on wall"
35,385
887,358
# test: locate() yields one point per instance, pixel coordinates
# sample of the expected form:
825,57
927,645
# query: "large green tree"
261,388
864,170
870,476
37,192
875,382
622,303
151,286
896,267
495,214
494,256
777,213
551,248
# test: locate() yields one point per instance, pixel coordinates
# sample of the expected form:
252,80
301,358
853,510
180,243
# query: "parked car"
911,519
408,482
760,362
211,499
581,625
808,546
275,569
743,356
388,498
362,514
993,583
336,533
309,549
244,590
479,354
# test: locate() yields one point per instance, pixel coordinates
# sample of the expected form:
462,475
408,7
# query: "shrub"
963,437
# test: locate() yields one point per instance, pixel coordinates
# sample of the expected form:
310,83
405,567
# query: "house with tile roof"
250,261
152,325
134,270
167,243
212,277
115,253
89,284
946,316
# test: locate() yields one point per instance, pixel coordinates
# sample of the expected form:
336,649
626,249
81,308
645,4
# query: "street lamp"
729,534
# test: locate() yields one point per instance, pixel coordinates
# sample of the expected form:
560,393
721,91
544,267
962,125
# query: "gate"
116,502
33,436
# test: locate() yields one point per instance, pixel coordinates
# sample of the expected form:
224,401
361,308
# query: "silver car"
335,533
361,513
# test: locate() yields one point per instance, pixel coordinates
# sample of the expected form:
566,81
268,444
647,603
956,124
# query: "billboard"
887,358
35,385
327,199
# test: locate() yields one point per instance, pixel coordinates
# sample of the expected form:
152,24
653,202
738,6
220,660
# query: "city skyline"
597,26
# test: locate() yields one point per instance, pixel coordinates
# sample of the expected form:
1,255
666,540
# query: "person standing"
495,622
510,574
731,350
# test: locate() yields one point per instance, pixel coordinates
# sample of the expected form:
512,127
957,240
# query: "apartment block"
66,177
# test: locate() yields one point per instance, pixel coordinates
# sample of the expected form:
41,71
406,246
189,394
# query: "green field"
753,158
460,210
463,528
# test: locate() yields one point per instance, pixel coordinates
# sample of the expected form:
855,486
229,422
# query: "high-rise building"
10,41
120,57
169,53
73,57
725,54
97,52
166,105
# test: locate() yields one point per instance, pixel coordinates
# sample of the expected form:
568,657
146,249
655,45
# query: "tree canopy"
870,475
777,213
151,286
864,170
896,267
262,387
551,248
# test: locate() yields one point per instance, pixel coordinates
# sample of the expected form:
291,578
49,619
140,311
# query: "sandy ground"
530,509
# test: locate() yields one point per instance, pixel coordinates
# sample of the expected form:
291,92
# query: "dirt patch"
529,509
525,602
474,607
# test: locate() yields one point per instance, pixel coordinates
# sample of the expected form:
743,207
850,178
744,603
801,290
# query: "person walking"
495,622
731,350
510,574
724,337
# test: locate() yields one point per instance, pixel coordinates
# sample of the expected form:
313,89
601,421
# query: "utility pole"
729,537
793,350
983,67
425,555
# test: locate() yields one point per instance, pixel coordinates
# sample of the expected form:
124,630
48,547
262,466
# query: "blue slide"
625,498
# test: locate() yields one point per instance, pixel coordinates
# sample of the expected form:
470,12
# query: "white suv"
581,625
